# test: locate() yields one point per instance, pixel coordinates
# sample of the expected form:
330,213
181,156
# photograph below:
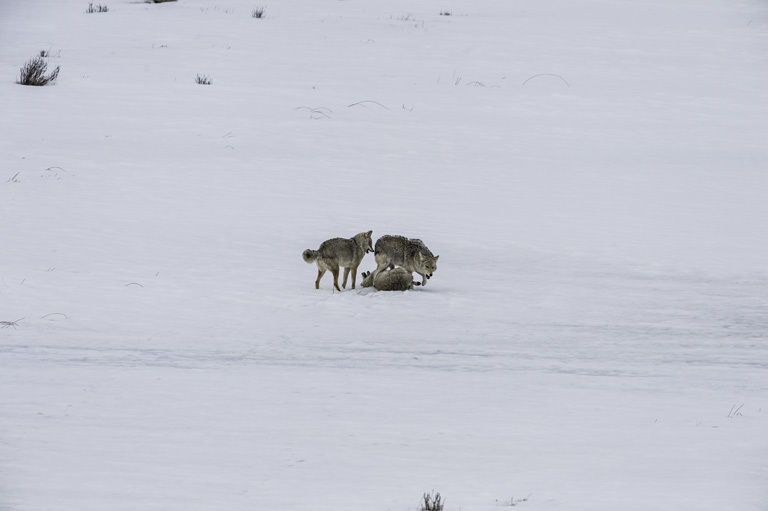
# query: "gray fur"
398,279
340,252
411,254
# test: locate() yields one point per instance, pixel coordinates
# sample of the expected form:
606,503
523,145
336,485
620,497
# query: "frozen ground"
591,173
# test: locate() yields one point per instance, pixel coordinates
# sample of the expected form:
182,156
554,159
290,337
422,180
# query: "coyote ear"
437,257
421,256
369,233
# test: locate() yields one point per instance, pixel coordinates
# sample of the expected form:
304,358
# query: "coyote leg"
346,274
336,279
320,274
380,267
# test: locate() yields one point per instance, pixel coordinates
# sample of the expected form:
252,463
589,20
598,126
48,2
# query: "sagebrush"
96,8
34,72
432,502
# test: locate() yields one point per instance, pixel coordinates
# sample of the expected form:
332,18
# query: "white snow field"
592,173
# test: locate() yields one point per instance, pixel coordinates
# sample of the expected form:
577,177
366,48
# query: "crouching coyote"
411,254
336,252
398,279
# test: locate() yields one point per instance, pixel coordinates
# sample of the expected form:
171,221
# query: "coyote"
340,252
398,279
411,254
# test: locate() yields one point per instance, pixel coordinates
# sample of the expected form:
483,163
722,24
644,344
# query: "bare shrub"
33,73
203,80
432,502
97,8
258,12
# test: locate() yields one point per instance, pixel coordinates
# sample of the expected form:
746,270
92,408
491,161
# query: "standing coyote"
340,252
411,254
398,279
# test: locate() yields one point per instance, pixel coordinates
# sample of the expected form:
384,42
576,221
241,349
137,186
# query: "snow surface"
591,173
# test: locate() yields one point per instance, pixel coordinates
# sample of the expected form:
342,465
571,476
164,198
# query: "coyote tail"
309,255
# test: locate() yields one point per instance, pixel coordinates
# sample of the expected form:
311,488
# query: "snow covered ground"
591,173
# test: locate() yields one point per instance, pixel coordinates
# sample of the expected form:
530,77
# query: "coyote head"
365,241
427,265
